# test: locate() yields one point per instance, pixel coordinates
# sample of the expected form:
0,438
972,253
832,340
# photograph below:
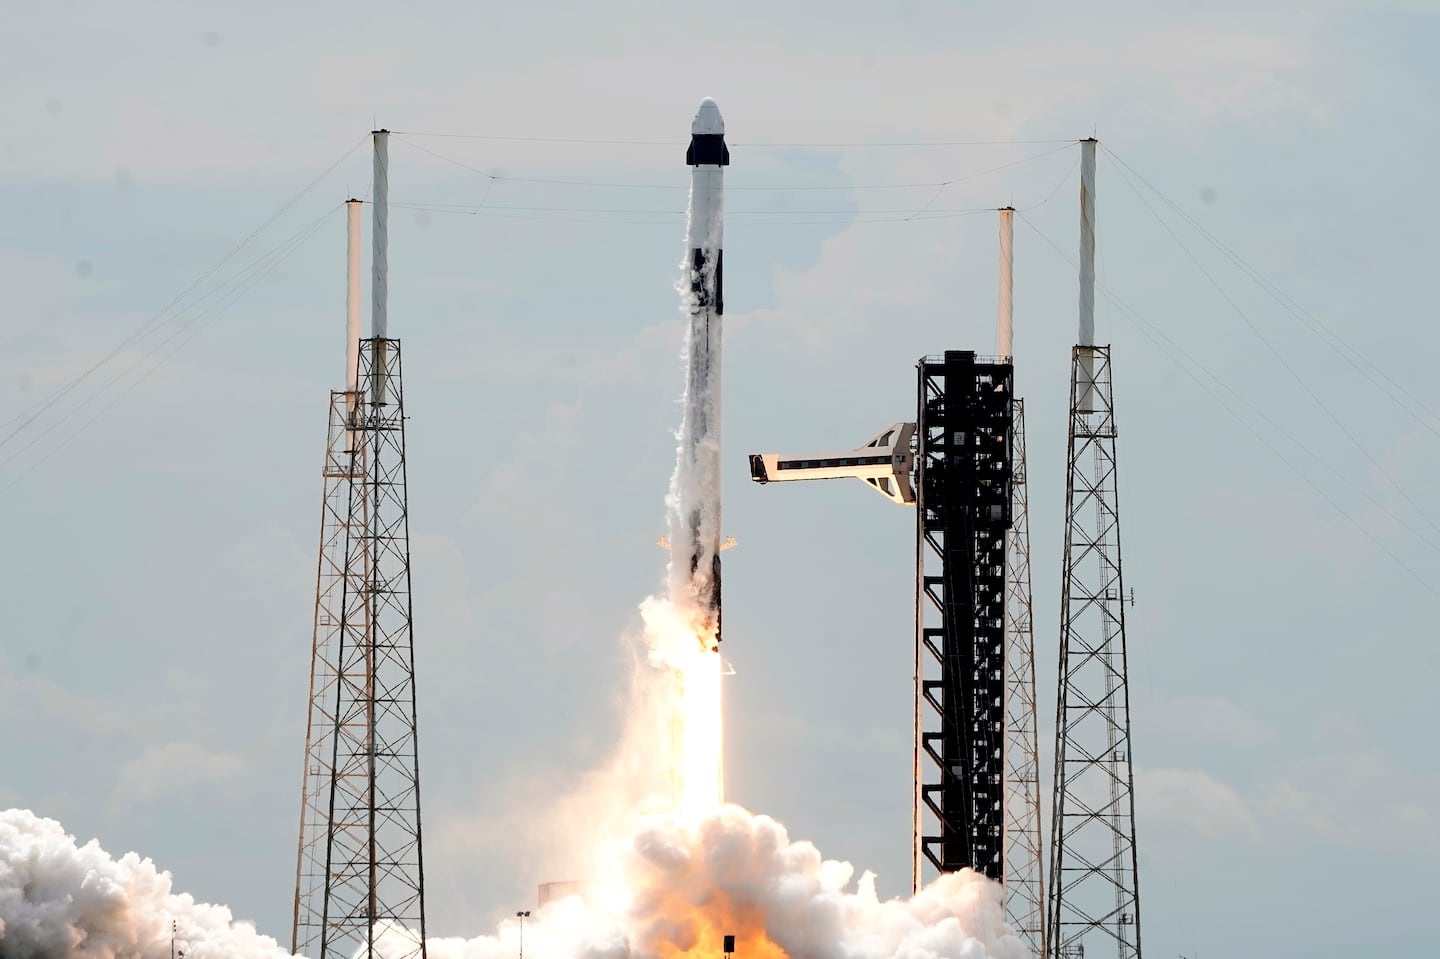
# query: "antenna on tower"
1094,882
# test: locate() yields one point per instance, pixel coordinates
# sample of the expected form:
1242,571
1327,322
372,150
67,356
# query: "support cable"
246,281
1294,374
758,145
27,416
1170,348
1350,354
469,208
669,217
495,177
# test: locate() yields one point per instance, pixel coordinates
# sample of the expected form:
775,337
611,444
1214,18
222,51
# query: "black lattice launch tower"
360,875
963,476
1094,883
976,785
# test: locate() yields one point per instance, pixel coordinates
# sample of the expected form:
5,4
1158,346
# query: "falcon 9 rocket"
695,539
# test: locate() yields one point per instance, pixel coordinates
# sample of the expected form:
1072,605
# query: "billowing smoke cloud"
680,890
674,890
60,900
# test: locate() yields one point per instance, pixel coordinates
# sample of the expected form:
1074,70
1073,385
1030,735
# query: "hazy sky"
159,566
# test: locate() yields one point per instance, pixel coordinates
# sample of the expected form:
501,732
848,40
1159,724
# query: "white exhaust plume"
677,888
682,888
60,900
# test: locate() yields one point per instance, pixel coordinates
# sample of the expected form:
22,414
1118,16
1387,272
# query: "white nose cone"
708,121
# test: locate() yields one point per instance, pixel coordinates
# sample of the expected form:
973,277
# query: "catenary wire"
497,178
1315,397
670,217
468,209
1352,355
1169,348
1051,195
738,143
27,416
262,268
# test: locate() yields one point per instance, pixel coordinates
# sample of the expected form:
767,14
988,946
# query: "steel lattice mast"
375,876
360,878
1024,848
1094,882
310,870
1024,867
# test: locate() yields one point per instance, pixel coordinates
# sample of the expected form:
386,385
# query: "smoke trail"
60,900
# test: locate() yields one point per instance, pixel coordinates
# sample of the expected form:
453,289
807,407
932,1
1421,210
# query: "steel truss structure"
1024,866
963,482
1094,907
363,878
310,869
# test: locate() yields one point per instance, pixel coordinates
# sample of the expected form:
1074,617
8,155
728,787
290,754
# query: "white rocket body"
695,539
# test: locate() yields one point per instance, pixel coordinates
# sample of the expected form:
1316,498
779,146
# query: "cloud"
536,466
1359,798
447,585
1195,801
1205,719
1212,72
160,127
178,771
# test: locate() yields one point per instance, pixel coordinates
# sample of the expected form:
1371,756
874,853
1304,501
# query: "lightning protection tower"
1024,848
310,868
1094,882
372,887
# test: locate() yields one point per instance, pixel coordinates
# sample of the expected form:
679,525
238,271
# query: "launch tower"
1094,908
360,875
963,473
976,799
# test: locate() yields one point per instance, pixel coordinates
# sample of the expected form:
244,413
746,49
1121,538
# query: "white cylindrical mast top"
352,292
1005,321
379,254
1087,242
